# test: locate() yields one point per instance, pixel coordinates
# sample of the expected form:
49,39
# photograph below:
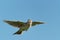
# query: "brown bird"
23,26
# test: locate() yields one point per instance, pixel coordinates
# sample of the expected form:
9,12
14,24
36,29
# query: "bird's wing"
14,23
35,23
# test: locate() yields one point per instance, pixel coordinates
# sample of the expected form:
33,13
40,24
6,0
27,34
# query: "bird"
23,26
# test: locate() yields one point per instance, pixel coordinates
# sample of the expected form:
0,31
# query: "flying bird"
23,26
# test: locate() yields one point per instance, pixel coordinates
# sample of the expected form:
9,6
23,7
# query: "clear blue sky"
37,10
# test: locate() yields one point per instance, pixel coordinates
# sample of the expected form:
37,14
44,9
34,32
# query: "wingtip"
4,20
44,22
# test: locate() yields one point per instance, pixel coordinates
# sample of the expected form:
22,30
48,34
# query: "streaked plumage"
23,26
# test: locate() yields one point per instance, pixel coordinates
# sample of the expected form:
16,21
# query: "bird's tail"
18,32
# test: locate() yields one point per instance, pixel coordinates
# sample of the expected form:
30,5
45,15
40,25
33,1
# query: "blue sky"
37,10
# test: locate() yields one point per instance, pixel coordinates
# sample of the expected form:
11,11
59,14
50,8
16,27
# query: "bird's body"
21,25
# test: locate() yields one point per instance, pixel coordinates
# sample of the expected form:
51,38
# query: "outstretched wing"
14,23
36,23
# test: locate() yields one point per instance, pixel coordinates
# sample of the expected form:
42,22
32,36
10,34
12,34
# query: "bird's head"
29,21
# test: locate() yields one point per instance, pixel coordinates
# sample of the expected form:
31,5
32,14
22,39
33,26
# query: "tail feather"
18,32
